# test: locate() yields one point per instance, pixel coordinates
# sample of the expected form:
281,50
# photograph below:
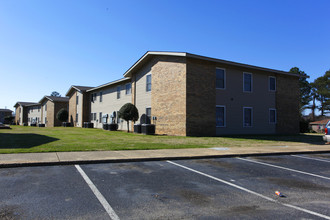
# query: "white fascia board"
108,84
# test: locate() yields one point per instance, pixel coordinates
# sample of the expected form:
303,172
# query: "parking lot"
220,188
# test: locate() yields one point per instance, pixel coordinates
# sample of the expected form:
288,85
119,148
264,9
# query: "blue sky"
48,45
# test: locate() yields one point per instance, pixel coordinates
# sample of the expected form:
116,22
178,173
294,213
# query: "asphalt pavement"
210,188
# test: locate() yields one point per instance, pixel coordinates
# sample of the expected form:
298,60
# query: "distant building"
318,126
50,106
21,112
79,102
5,113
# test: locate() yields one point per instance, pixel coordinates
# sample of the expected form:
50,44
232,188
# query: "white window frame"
224,116
101,96
118,91
147,115
251,117
251,82
224,78
272,109
130,90
269,83
147,83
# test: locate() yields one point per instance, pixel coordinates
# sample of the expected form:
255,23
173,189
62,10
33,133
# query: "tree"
304,87
128,112
62,115
321,86
56,94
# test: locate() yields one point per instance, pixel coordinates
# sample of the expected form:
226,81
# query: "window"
32,109
39,109
93,116
247,117
77,100
45,120
128,88
118,92
101,96
100,117
272,84
220,116
148,84
220,78
247,82
94,95
76,117
28,119
272,116
148,115
45,107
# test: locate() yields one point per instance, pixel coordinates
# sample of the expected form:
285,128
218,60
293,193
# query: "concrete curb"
63,163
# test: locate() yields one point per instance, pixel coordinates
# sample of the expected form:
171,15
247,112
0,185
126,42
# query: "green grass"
33,139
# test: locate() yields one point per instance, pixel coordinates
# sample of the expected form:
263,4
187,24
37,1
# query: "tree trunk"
127,126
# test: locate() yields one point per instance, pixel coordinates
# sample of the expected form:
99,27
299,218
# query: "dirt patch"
244,209
9,213
194,197
218,163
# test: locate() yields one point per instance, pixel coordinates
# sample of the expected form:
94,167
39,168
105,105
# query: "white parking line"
98,195
285,168
309,158
252,192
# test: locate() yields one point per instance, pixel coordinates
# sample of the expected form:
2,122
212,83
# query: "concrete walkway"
65,158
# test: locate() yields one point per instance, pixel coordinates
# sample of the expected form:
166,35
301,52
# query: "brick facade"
287,104
168,95
200,98
73,108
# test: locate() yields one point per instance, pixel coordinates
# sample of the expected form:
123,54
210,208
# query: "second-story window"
148,83
128,88
77,100
101,96
220,78
247,82
118,92
272,84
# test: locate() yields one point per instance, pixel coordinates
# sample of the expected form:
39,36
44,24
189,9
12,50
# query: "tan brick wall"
168,95
50,114
73,108
17,115
287,104
201,96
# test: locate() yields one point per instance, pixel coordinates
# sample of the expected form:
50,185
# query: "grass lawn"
22,139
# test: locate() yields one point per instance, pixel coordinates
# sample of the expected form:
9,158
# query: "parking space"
223,188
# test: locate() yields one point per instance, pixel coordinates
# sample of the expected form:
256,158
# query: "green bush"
128,112
62,115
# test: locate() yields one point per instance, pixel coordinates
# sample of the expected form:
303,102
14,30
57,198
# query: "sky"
49,45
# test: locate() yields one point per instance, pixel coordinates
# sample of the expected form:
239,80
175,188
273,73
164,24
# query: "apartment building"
4,113
21,112
79,102
50,105
34,114
193,95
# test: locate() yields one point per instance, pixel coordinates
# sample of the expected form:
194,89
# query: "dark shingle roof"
5,110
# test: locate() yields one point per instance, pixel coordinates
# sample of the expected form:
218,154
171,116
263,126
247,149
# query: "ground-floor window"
220,116
76,117
100,117
272,116
247,116
148,115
